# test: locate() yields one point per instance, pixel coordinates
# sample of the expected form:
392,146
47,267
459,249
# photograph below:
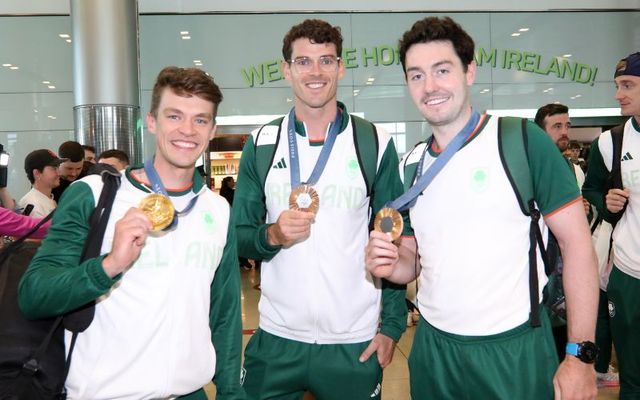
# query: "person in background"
71,168
41,167
468,240
620,207
89,153
167,315
118,159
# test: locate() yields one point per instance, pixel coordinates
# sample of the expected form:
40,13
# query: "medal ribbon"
334,129
158,187
409,198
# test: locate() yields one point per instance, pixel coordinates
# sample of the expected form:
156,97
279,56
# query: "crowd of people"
332,307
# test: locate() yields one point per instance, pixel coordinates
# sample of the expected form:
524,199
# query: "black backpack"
32,352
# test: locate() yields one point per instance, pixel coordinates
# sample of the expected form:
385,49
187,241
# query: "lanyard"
158,187
409,198
334,129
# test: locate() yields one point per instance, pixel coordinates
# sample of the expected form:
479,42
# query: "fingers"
616,199
381,255
129,236
291,227
368,351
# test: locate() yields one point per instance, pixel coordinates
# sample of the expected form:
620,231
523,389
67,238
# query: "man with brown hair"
167,314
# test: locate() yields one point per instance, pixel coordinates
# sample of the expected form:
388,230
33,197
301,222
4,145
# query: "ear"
471,73
212,134
286,70
151,123
341,69
36,173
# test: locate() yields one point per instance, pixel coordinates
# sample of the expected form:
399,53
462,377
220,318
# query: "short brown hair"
317,31
434,29
186,82
549,110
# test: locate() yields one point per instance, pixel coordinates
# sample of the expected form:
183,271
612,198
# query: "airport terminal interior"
527,56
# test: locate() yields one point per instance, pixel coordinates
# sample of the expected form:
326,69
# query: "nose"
430,85
619,95
187,126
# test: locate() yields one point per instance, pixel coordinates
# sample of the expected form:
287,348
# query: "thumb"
368,352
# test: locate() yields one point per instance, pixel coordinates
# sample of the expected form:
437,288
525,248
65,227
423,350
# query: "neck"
445,133
172,178
317,120
42,189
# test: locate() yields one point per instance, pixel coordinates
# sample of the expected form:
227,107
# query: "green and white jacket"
165,326
318,290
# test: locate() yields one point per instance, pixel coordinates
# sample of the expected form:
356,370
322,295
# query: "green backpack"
365,137
512,146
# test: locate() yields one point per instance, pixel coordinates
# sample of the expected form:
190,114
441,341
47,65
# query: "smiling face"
183,128
317,88
438,82
628,95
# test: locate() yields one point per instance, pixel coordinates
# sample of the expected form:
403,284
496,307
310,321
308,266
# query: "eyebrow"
434,66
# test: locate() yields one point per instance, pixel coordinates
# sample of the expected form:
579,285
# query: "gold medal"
389,220
304,198
159,209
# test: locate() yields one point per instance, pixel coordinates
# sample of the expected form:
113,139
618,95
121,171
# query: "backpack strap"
512,146
411,162
614,181
365,138
265,153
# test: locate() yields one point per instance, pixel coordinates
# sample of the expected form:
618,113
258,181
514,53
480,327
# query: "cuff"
262,244
97,275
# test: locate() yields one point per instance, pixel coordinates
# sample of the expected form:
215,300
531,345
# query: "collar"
197,182
300,128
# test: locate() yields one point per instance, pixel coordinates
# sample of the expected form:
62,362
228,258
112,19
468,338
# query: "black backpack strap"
614,181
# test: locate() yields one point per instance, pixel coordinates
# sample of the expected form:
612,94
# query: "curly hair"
185,82
434,29
317,31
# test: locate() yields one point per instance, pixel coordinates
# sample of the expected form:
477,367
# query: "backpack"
512,147
365,137
32,352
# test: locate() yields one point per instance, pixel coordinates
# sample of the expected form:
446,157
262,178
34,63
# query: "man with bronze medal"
326,325
474,249
167,287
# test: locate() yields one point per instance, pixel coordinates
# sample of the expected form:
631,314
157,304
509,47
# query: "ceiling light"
578,95
197,61
515,34
51,87
524,29
68,40
184,33
35,111
566,55
64,35
51,117
46,82
186,37
6,65
371,79
14,67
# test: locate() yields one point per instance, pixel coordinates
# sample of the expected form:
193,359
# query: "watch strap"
572,349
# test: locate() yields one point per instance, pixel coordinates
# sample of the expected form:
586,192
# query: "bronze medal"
389,220
304,198
159,209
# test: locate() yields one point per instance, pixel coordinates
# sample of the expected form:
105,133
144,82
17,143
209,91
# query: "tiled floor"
395,385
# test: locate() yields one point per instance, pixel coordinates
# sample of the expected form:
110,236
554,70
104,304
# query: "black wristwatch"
586,351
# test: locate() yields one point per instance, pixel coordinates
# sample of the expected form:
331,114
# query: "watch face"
588,352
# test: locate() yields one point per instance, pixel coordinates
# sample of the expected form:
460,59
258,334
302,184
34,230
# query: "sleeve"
554,184
386,187
249,210
595,184
225,322
56,282
17,225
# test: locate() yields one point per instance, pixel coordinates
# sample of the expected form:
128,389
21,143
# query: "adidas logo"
627,157
281,164
376,392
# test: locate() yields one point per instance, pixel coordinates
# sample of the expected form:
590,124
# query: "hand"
616,199
575,380
587,206
291,227
383,345
381,255
128,240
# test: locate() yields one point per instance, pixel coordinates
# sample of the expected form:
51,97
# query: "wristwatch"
586,352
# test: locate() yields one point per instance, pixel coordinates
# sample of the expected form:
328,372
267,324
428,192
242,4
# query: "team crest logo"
612,309
479,179
209,222
353,168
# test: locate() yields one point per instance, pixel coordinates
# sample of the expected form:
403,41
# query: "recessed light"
578,95
371,79
46,82
68,40
515,34
14,67
524,29
6,65
369,83
35,111
64,35
184,33
186,37
51,117
567,55
197,61
51,87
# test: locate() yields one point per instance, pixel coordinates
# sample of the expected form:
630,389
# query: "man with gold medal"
167,287
326,325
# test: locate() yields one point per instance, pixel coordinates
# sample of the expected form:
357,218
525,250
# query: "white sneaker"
608,379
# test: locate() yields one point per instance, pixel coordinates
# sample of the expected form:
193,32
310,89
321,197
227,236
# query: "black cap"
38,159
628,66
72,151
